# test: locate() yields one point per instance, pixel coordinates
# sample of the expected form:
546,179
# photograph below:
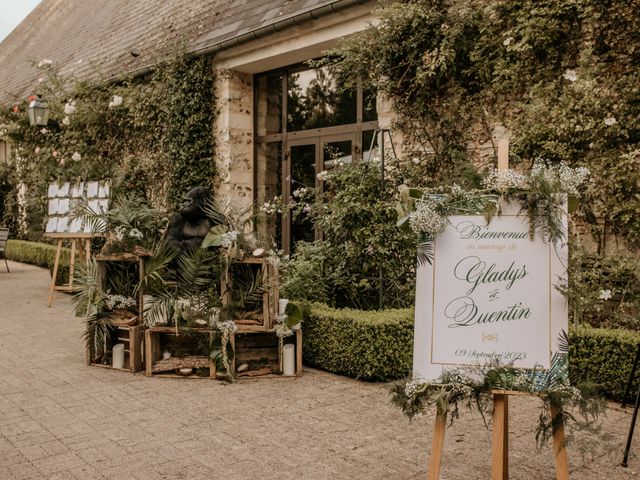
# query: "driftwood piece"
123,318
175,363
266,370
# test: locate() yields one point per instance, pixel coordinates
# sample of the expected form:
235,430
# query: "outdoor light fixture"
38,112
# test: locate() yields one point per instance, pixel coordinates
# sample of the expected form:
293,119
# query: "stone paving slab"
61,419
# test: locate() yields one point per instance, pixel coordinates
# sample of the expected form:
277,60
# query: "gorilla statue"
190,224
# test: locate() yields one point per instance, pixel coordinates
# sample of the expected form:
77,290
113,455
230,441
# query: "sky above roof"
12,12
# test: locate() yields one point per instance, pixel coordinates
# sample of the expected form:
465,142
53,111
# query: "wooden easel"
500,439
80,246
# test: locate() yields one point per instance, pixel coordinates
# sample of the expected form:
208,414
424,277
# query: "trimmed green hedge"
603,357
375,345
370,345
40,254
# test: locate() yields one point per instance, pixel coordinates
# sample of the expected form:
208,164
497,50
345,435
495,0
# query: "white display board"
489,294
64,199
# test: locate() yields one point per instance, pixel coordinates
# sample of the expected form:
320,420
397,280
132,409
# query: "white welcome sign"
489,294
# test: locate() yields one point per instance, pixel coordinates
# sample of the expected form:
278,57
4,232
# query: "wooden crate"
102,262
252,346
270,297
153,353
132,338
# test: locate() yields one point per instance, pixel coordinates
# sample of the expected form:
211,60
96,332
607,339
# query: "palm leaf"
426,253
157,309
156,268
195,268
563,342
98,327
95,222
85,278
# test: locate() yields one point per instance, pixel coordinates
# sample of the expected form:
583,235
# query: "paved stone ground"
60,419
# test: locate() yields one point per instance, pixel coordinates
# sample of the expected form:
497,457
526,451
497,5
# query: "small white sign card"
92,189
489,294
63,224
103,189
53,206
53,190
63,206
52,225
76,225
63,190
77,190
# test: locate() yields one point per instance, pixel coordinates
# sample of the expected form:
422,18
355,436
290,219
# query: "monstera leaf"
214,237
294,315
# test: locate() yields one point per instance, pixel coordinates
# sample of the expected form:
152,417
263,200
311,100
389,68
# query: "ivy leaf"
403,223
415,193
294,315
490,209
214,237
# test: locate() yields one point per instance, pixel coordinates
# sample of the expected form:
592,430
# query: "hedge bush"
40,254
603,357
370,345
374,345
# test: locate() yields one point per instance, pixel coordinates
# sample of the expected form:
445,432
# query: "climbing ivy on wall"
150,135
563,76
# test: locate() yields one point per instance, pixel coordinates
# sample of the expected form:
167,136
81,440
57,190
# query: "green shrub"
369,345
374,345
360,241
604,291
40,254
603,357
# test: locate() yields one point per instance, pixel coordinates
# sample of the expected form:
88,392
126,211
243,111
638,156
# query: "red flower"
15,109
31,98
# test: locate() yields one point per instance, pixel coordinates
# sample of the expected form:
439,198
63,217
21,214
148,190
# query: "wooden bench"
4,236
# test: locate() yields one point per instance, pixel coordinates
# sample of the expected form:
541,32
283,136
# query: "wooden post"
298,352
77,250
500,443
72,262
148,357
503,154
560,450
56,263
437,443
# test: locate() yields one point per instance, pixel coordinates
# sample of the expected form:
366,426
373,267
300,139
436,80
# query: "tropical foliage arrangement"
575,408
182,288
129,223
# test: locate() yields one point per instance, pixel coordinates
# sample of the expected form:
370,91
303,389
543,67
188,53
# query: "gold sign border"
433,300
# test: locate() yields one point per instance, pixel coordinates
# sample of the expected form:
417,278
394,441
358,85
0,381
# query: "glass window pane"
369,97
369,152
336,153
314,100
269,104
269,186
303,174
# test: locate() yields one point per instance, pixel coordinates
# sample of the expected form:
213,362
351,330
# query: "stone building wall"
234,138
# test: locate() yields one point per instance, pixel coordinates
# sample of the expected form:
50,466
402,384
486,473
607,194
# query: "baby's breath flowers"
113,302
505,179
425,219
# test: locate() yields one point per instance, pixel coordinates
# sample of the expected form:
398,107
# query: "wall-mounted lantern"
38,112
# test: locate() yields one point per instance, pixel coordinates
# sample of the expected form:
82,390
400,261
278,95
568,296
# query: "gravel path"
60,419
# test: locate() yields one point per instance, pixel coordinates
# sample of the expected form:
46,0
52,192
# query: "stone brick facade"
234,138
